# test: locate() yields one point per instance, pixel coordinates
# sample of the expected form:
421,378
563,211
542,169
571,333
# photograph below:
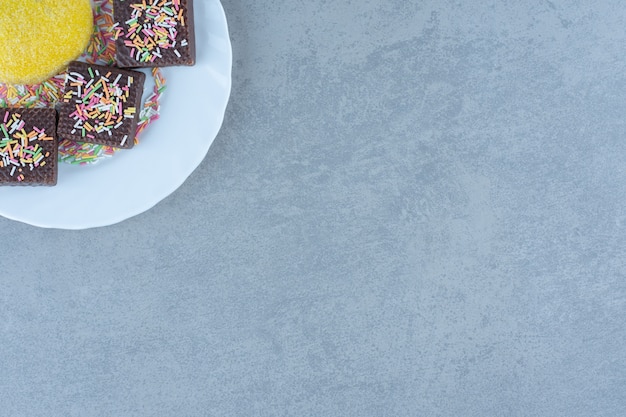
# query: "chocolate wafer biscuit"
100,105
154,34
28,147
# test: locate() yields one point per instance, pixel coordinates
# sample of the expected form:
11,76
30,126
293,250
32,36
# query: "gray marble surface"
414,208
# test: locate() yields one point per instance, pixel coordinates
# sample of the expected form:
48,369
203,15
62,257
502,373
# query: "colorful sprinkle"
45,94
101,49
151,107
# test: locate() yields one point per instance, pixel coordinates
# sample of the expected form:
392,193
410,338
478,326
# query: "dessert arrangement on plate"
70,91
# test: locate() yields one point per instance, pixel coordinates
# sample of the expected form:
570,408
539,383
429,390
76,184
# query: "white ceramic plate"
133,181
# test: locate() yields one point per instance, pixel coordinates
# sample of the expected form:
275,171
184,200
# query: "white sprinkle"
74,76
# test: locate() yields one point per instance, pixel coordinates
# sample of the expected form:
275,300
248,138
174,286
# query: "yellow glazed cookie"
39,37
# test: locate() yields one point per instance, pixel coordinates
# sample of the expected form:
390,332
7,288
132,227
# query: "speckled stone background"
414,208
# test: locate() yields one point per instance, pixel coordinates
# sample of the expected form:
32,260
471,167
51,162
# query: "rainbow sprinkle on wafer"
152,28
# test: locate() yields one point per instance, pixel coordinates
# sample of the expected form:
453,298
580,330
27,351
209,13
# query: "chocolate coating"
19,164
127,56
120,131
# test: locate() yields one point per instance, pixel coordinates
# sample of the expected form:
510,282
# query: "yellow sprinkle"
39,37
